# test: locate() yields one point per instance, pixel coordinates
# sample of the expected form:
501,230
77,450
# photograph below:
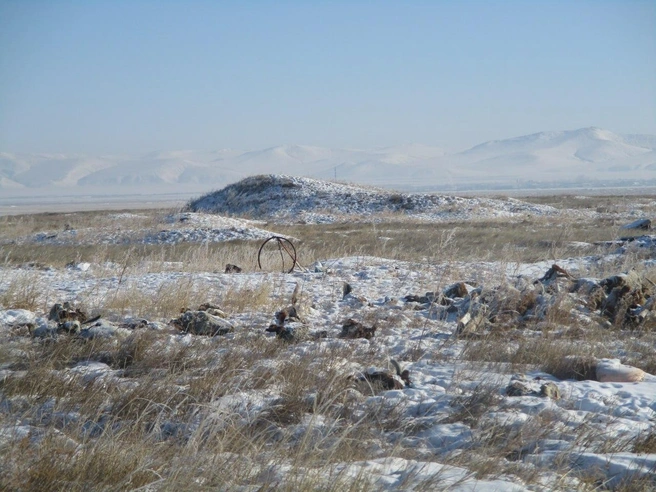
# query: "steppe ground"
533,239
154,431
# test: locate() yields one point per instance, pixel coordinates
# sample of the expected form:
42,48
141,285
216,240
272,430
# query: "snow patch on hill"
295,199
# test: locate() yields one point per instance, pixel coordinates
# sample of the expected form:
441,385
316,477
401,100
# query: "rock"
640,224
292,332
550,390
520,385
71,326
427,298
586,286
102,330
45,331
469,324
282,332
382,381
609,307
212,309
613,371
354,329
460,289
14,318
290,313
519,388
630,279
91,370
134,324
554,273
65,312
202,323
83,267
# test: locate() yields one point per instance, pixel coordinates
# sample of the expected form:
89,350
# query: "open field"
132,402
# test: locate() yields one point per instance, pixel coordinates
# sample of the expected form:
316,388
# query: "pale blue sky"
136,76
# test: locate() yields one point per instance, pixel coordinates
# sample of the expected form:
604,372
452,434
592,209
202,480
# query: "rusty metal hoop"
283,244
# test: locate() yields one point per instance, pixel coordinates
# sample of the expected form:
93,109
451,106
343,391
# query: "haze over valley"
587,157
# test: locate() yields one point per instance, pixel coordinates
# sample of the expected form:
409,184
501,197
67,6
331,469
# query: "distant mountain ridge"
560,158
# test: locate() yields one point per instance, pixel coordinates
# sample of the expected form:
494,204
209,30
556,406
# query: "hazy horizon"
135,77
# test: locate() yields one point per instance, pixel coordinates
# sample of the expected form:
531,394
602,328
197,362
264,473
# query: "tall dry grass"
249,411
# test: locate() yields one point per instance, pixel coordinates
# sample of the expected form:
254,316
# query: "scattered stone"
354,329
70,327
609,307
520,385
202,323
640,224
102,330
65,312
36,265
383,380
91,320
290,313
519,388
45,331
459,289
212,309
468,325
282,332
630,279
625,300
586,286
81,267
554,273
346,289
134,324
89,371
550,390
427,298
17,318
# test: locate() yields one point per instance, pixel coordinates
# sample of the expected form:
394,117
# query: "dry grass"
227,412
24,291
531,239
164,431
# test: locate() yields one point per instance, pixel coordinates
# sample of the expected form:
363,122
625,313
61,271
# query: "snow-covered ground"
292,199
461,411
172,229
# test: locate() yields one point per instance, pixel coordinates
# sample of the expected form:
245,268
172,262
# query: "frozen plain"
456,428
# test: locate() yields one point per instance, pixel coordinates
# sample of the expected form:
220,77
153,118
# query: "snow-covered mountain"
585,157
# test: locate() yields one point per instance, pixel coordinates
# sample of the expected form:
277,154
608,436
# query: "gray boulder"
202,323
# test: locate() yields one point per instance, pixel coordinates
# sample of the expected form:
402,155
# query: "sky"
112,77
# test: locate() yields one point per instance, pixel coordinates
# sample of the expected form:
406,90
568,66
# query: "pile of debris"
622,301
